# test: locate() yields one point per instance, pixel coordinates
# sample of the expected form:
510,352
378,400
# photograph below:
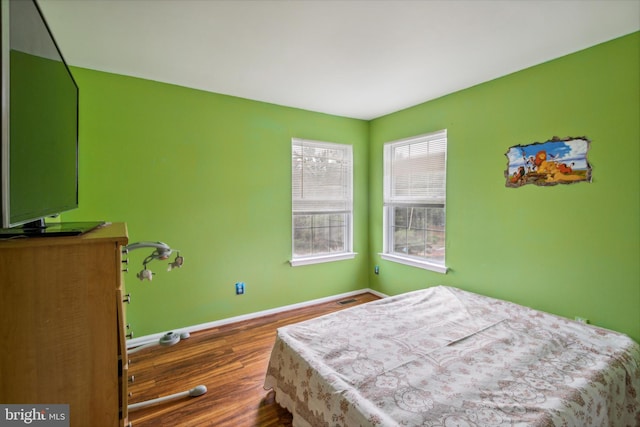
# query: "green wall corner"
572,249
209,174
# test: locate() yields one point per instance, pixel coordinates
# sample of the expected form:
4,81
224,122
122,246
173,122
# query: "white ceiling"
360,59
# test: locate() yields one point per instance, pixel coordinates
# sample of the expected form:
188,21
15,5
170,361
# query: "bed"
447,357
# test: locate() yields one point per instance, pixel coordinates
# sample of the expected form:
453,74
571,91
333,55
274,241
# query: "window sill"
415,263
322,258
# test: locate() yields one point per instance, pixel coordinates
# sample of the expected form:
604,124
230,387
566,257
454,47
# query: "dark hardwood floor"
230,361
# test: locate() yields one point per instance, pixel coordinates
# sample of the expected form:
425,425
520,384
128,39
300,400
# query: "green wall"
210,175
573,250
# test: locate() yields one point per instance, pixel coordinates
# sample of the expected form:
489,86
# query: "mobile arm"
161,251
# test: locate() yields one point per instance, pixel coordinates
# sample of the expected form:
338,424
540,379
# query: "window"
322,176
415,201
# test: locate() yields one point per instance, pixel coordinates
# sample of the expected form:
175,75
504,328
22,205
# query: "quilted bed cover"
447,357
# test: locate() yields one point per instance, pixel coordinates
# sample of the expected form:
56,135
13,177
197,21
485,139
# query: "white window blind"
321,176
415,200
321,187
415,170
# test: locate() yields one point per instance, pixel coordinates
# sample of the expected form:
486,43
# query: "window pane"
418,231
337,234
321,220
400,217
436,234
400,241
418,218
321,237
302,241
319,234
302,221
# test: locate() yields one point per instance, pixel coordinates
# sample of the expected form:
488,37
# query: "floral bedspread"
446,357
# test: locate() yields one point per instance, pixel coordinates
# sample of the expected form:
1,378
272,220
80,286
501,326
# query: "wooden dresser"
62,334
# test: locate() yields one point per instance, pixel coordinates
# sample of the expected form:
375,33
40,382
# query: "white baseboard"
148,339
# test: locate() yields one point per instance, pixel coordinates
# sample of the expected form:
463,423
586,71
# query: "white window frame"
414,196
312,203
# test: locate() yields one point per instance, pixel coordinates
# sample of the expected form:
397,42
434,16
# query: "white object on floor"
168,339
194,392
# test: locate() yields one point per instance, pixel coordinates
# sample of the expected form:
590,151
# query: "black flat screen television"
39,148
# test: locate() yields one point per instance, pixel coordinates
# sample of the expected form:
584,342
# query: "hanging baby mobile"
557,161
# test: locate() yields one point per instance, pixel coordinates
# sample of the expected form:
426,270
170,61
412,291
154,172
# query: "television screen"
39,120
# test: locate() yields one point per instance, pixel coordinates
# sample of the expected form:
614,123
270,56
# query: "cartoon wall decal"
557,161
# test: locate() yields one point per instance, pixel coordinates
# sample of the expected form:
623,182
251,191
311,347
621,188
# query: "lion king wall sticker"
557,161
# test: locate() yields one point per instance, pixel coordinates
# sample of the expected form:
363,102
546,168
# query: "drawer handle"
127,298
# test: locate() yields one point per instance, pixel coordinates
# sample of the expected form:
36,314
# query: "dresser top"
116,232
